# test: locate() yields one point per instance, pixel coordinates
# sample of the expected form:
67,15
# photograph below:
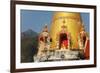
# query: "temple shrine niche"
72,21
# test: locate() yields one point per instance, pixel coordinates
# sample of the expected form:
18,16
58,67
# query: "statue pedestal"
58,55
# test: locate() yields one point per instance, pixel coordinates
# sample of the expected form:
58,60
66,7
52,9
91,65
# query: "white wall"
5,36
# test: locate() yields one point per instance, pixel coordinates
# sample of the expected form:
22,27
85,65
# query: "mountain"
29,33
29,45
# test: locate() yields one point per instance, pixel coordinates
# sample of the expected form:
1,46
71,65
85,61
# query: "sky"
32,19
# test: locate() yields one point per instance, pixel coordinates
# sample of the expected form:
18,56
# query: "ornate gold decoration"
71,20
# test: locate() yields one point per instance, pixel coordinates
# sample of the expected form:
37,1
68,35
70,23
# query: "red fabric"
41,39
65,43
63,40
87,50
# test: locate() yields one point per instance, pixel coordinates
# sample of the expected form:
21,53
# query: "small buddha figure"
63,38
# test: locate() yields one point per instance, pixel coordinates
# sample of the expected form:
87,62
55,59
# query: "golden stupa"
70,19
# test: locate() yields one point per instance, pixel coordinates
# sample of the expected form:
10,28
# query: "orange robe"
87,50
